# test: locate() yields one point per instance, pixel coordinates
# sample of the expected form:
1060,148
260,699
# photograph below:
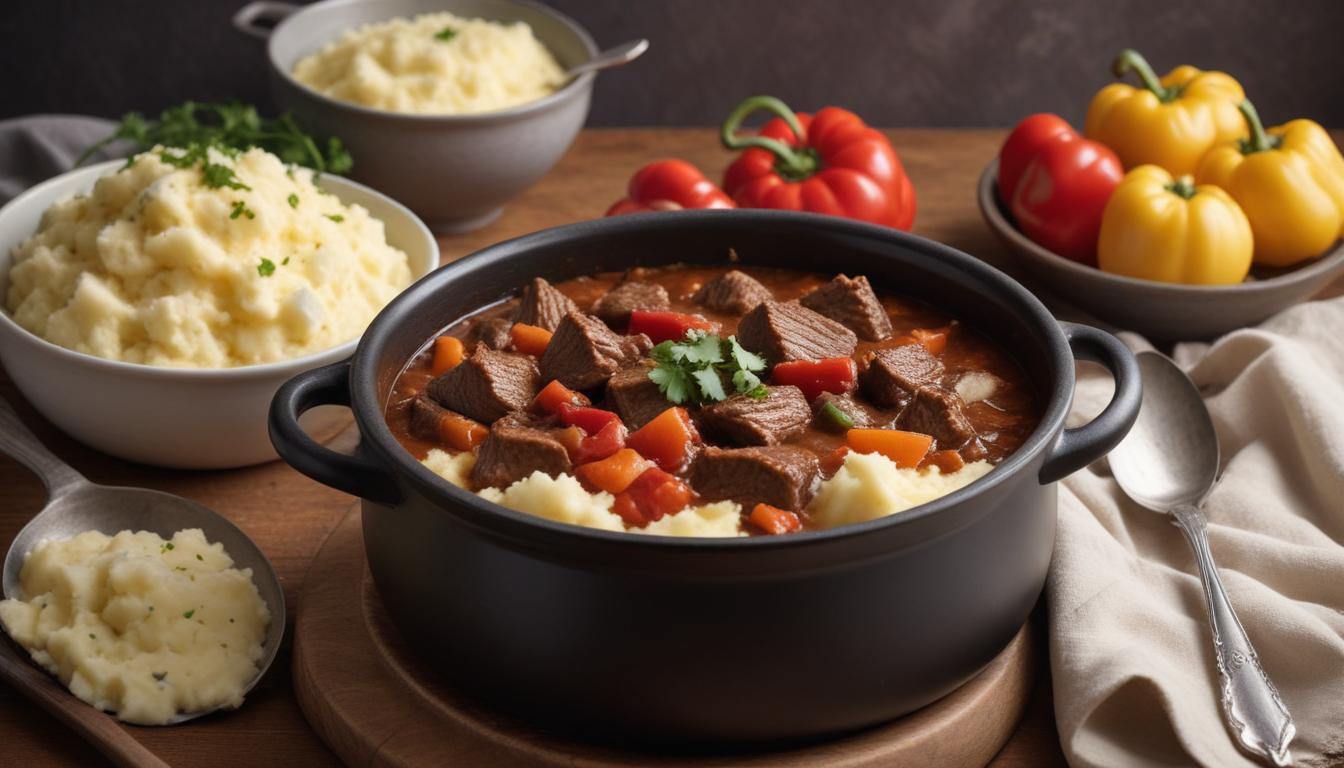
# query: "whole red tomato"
1062,187
669,185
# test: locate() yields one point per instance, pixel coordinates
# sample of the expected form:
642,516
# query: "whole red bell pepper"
1056,183
669,185
828,163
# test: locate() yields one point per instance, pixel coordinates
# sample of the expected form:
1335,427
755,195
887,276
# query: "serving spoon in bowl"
615,56
75,505
1168,463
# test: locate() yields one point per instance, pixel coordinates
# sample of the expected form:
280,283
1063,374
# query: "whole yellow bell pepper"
1156,227
1170,122
1290,182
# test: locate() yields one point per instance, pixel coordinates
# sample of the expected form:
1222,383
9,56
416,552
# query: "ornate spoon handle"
23,445
1251,705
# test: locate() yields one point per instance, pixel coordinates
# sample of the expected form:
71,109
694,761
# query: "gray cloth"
38,147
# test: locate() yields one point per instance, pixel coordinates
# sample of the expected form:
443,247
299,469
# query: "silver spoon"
1169,463
75,505
615,56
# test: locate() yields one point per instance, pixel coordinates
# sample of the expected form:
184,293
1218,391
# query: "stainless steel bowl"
455,171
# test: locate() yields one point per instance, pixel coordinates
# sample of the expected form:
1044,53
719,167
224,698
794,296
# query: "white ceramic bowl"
170,417
1159,311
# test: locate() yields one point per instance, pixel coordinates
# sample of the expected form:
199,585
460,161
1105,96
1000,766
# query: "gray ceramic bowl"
1162,311
455,171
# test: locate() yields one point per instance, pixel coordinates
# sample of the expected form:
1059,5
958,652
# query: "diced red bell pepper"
554,395
665,326
601,444
667,439
590,420
657,493
834,374
629,511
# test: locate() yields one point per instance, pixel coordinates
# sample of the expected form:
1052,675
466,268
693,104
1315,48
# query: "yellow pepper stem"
1130,60
1183,186
1259,141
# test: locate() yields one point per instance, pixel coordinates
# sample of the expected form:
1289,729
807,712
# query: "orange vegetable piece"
667,439
529,339
614,473
907,449
831,462
774,520
946,461
933,339
555,395
448,352
461,433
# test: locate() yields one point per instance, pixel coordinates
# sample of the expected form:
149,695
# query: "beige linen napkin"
1130,650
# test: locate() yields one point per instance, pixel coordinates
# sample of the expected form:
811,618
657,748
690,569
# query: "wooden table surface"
289,515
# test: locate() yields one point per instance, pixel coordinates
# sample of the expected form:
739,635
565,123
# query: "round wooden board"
374,703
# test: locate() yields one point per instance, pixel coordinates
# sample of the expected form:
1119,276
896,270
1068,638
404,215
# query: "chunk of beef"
771,420
891,376
634,395
856,411
615,306
937,412
734,292
779,475
426,416
543,305
514,449
491,332
781,331
584,352
486,385
852,303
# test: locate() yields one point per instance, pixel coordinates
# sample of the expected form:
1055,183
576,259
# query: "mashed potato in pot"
140,626
221,262
434,64
869,486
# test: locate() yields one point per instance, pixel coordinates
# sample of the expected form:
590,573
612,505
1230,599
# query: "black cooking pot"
743,640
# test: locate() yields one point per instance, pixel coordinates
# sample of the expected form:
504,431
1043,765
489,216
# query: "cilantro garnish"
445,34
230,128
693,370
266,268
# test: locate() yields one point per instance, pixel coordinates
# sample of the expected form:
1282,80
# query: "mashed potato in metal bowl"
140,626
434,64
211,261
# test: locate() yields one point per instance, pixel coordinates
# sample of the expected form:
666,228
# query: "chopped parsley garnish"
164,547
693,370
216,176
445,34
240,209
293,200
189,614
151,609
285,261
266,268
230,128
159,675
336,217
198,557
92,636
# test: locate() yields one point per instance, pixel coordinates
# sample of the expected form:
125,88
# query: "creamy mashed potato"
139,626
202,267
435,64
866,487
869,486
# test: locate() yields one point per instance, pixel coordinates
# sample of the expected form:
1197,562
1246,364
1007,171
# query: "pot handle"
260,17
1080,446
356,475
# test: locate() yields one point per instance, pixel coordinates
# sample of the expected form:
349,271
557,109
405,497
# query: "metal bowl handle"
1080,446
356,475
260,17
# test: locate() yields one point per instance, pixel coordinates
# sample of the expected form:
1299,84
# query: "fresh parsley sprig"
231,128
693,370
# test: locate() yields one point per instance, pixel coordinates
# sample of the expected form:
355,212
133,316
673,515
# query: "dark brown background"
949,63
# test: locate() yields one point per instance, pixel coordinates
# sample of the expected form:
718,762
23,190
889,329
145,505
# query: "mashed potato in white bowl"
149,316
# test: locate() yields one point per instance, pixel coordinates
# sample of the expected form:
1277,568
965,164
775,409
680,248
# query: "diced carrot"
461,433
831,462
933,339
946,461
774,520
614,473
667,439
448,352
904,448
555,395
529,339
